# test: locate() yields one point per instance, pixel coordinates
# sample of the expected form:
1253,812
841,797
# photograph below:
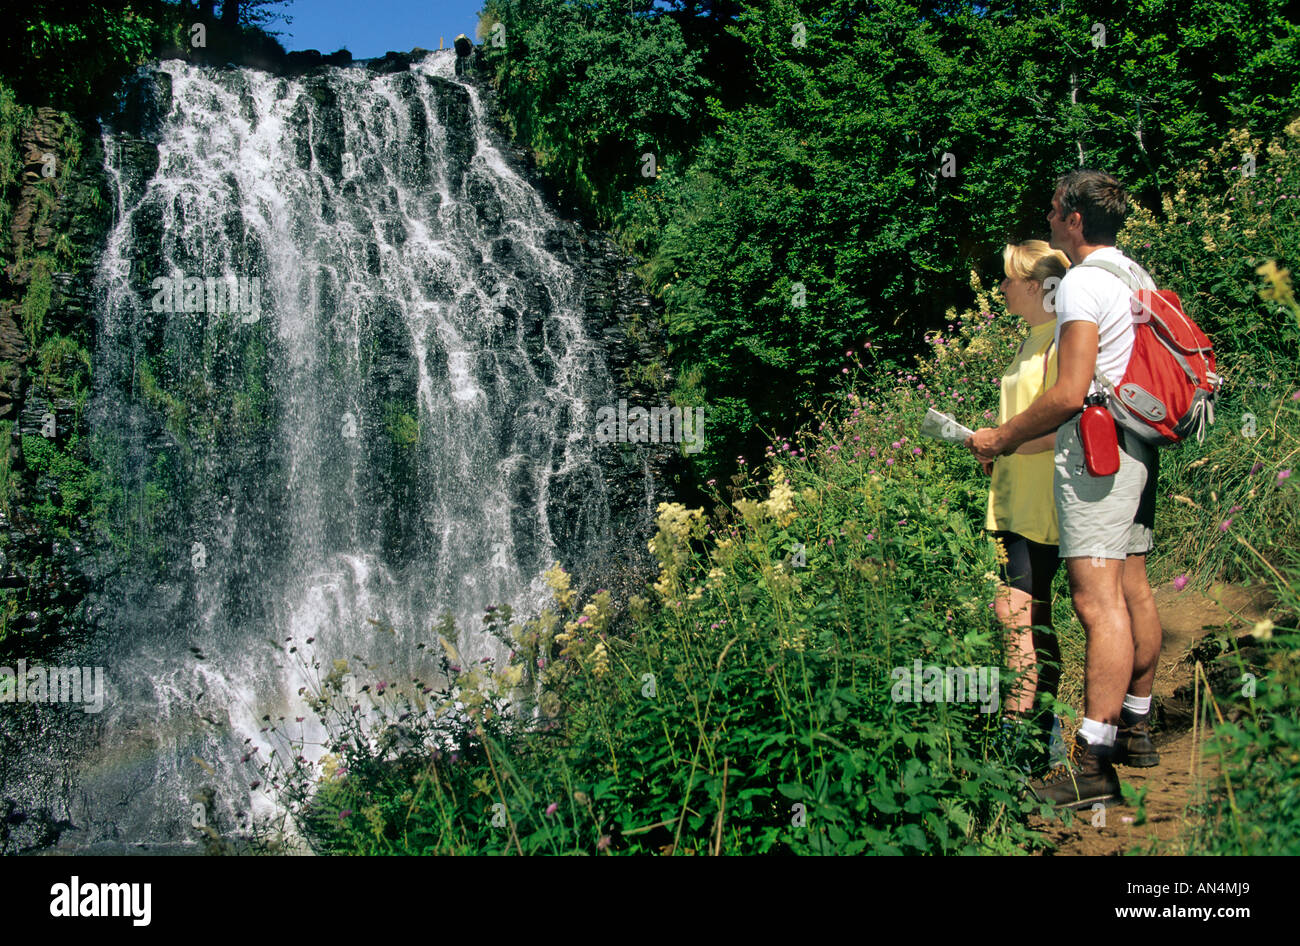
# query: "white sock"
1097,734
1137,705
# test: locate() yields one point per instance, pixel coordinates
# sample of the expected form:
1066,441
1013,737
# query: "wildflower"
1180,583
1262,631
916,451
999,551
551,809
603,843
871,536
600,660
889,462
1235,509
558,581
1256,468
1282,476
1225,525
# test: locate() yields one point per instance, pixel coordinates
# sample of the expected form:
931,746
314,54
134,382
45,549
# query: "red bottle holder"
1100,442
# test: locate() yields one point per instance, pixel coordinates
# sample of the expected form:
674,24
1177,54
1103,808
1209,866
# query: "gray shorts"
1104,516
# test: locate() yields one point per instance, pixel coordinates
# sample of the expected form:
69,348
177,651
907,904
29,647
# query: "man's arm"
1076,364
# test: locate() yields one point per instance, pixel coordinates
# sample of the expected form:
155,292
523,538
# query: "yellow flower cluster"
1279,287
780,501
329,766
796,640
592,621
558,581
671,545
999,551
600,659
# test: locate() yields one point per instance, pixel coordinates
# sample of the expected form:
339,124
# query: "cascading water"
388,418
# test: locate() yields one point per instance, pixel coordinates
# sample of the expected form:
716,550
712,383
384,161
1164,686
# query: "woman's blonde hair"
1034,260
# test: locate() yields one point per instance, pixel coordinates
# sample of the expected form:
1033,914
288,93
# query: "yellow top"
1020,495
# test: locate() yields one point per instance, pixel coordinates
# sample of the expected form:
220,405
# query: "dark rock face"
50,574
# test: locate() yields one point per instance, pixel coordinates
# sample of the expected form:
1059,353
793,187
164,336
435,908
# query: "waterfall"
344,385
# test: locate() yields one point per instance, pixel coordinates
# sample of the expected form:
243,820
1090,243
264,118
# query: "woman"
1021,510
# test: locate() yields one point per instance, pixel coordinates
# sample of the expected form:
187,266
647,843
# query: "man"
1106,523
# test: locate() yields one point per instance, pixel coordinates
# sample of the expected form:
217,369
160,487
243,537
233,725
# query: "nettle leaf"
913,836
795,791
884,801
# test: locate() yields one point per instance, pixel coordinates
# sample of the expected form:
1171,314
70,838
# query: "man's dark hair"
1100,200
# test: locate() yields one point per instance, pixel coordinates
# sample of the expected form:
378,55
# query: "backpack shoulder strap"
1135,279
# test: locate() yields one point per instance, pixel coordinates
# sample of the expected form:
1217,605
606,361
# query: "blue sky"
370,28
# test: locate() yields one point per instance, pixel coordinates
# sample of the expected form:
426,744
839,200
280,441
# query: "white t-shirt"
1087,292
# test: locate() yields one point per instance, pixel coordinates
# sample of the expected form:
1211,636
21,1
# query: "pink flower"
916,451
1256,468
889,462
1296,396
1235,509
1225,525
1180,583
896,445
1283,475
551,808
871,536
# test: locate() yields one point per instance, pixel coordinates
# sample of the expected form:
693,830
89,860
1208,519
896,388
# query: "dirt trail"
1186,617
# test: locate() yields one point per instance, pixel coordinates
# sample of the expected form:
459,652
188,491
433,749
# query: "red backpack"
1168,391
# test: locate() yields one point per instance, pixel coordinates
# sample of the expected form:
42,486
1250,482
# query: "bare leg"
1098,593
1013,609
1145,623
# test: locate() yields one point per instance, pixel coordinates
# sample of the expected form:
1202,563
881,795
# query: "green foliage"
591,91
1254,807
1222,219
36,301
8,476
12,118
68,55
79,486
826,175
401,426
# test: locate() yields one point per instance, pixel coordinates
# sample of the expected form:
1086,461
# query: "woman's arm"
1039,444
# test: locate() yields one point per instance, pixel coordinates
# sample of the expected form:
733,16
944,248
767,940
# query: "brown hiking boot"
1133,745
1088,778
